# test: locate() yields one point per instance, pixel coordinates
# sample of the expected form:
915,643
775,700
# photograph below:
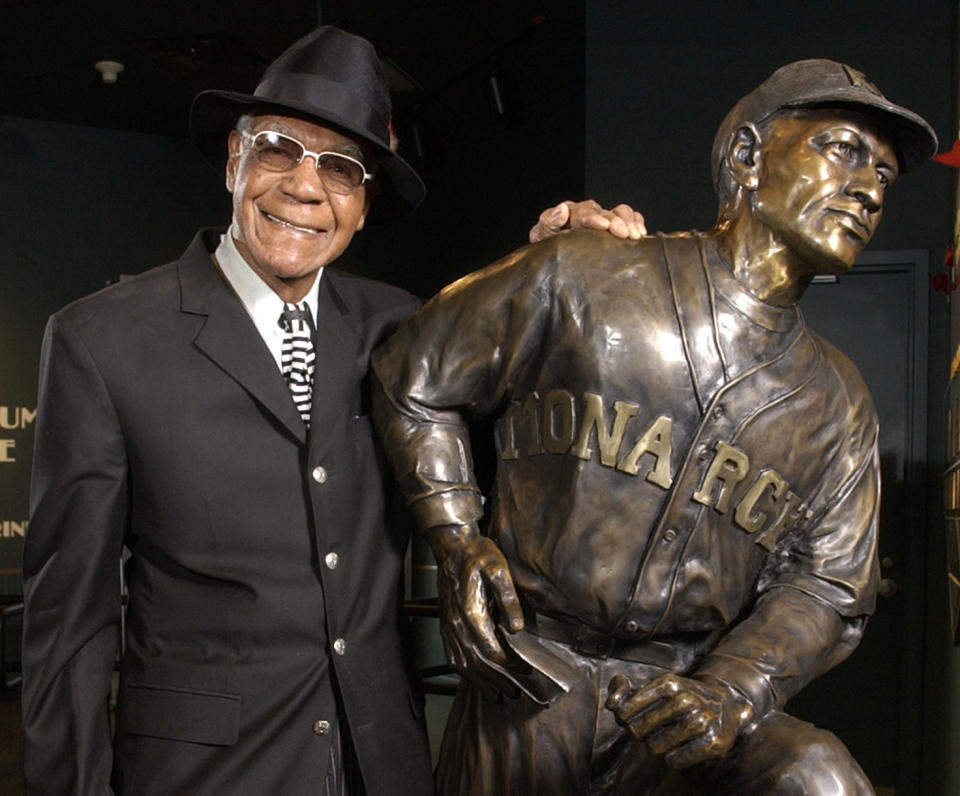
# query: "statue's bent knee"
799,759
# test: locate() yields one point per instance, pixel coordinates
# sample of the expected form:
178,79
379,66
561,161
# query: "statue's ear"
744,156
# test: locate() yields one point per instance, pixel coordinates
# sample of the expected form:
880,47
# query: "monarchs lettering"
558,424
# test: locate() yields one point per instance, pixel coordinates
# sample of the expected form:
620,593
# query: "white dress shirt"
262,304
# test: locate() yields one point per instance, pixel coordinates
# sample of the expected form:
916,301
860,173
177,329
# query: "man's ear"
234,142
371,189
744,156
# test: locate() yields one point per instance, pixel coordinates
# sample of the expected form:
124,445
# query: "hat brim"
913,138
214,114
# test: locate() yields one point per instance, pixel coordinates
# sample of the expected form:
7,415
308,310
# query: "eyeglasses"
278,152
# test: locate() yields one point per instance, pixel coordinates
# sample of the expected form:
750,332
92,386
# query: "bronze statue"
682,530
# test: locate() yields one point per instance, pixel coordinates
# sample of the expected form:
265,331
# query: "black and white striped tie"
297,355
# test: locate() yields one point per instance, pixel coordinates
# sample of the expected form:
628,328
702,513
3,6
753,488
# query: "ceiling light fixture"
108,70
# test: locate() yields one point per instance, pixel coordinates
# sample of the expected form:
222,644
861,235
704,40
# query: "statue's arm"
461,354
809,617
814,603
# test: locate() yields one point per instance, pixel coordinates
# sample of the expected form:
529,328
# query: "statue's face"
822,178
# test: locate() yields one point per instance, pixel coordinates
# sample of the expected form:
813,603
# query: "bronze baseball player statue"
683,525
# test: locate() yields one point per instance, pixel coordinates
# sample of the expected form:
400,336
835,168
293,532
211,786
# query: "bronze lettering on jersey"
594,418
766,508
744,514
791,511
657,440
728,468
559,420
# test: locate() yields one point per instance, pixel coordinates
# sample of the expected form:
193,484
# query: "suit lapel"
229,338
336,360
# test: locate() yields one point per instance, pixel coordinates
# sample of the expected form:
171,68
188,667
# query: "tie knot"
295,317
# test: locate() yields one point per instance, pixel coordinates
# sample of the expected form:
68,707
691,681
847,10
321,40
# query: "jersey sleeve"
461,354
815,598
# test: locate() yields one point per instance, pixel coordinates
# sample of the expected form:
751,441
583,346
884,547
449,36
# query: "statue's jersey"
669,448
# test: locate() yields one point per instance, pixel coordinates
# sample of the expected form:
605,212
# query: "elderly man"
683,527
265,651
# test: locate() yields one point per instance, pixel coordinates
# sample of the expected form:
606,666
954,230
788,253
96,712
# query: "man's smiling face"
286,224
821,184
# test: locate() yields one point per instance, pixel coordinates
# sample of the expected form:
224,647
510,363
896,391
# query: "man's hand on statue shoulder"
474,587
622,221
687,720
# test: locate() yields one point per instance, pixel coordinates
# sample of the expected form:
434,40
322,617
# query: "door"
877,315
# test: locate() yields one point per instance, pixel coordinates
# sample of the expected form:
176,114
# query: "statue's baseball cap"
820,83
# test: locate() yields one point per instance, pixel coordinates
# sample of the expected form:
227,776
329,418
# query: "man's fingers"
556,217
551,221
622,221
629,221
618,228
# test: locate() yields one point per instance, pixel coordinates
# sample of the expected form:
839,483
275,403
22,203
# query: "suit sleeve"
72,551
460,354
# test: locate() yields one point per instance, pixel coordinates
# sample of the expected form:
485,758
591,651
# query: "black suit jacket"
165,427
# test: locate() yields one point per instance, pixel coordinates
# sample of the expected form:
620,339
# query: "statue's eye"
843,150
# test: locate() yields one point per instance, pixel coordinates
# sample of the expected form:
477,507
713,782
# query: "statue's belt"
543,672
677,655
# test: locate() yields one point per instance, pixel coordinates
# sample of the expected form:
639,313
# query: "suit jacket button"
340,646
321,727
320,474
331,560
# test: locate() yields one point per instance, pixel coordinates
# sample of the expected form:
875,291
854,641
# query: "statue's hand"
686,720
473,579
622,221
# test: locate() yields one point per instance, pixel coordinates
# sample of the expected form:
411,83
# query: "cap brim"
214,114
913,138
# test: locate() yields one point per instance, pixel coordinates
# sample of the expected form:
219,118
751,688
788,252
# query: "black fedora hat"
330,77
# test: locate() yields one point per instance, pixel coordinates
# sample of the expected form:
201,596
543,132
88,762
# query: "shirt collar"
769,316
263,305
